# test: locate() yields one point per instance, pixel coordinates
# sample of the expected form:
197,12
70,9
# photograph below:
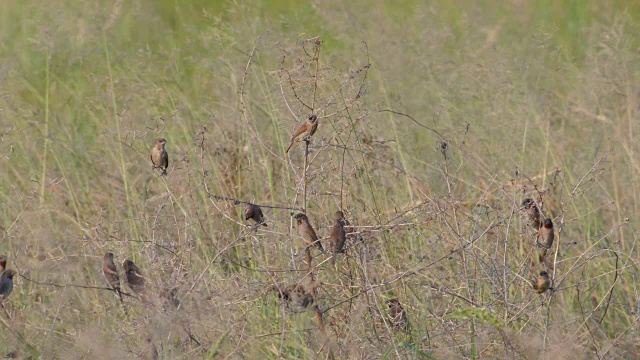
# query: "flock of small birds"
134,279
544,241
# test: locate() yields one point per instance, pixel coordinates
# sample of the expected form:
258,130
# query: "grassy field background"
436,120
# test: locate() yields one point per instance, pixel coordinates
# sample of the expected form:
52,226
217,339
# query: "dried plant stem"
304,177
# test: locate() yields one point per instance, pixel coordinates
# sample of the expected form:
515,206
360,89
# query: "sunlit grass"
517,90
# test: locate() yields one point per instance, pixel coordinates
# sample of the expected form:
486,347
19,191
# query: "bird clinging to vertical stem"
110,272
306,232
338,235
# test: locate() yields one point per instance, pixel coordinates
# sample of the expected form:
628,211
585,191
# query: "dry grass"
435,123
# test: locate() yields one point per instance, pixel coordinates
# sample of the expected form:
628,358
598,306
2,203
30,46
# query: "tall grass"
465,110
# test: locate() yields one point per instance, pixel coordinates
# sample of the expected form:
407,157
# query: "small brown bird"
532,212
397,314
3,263
305,230
6,283
541,284
305,131
150,351
545,238
294,296
159,156
170,299
110,272
134,278
254,212
338,236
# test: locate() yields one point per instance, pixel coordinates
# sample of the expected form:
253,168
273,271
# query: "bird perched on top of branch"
159,156
305,131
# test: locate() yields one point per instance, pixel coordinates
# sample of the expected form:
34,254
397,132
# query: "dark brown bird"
3,263
159,156
305,230
532,212
541,284
110,272
6,283
134,278
545,238
305,131
338,235
397,314
254,212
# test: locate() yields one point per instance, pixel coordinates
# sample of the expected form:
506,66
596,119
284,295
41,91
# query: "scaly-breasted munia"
542,283
338,235
159,156
397,314
6,283
305,131
533,213
3,263
254,212
306,231
134,278
110,272
545,238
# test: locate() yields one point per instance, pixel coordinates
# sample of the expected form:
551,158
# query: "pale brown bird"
110,272
305,131
294,296
254,212
545,238
542,283
150,351
397,314
133,277
338,235
305,230
533,212
159,156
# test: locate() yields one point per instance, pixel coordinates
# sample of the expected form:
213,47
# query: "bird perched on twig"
397,314
542,283
159,156
305,230
110,272
134,278
6,283
533,212
545,238
305,131
338,235
254,212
